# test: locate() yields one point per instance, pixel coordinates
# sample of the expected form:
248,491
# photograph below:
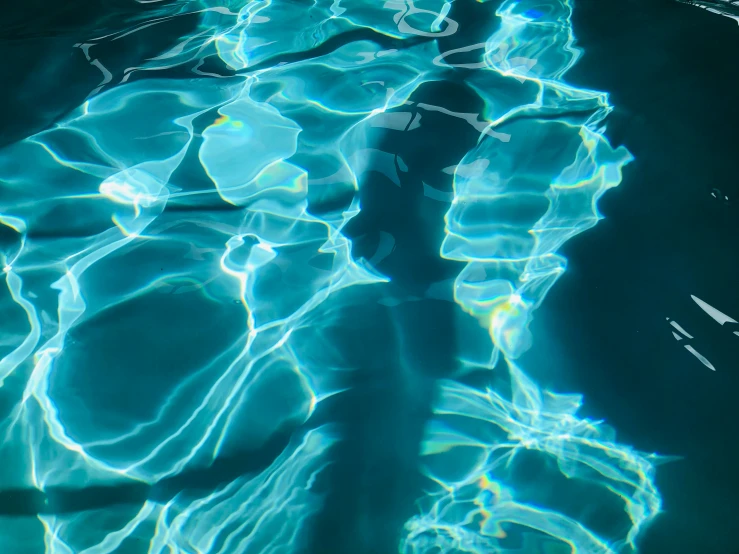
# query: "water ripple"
175,252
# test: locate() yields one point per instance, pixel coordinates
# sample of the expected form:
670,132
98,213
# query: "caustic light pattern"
175,250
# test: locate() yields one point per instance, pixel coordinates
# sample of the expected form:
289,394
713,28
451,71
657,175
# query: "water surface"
335,277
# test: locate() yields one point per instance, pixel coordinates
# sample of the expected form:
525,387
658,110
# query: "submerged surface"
270,278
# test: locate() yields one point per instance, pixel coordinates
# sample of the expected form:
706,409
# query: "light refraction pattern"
173,251
497,455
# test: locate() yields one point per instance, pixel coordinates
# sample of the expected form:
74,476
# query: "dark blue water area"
670,231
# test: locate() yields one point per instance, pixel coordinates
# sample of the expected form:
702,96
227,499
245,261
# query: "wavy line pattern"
516,202
173,252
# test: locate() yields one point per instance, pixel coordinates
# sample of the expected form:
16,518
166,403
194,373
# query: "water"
413,277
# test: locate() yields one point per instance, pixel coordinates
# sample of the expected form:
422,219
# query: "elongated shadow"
66,500
400,338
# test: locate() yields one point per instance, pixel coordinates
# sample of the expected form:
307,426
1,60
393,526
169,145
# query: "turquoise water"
271,285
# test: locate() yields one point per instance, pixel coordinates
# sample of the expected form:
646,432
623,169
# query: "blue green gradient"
174,249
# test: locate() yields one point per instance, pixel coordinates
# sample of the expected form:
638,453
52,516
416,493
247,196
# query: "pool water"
357,277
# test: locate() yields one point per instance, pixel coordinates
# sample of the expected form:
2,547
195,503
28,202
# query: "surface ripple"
175,257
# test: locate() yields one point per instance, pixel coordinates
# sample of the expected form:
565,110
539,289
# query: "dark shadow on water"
394,353
671,72
45,75
67,500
